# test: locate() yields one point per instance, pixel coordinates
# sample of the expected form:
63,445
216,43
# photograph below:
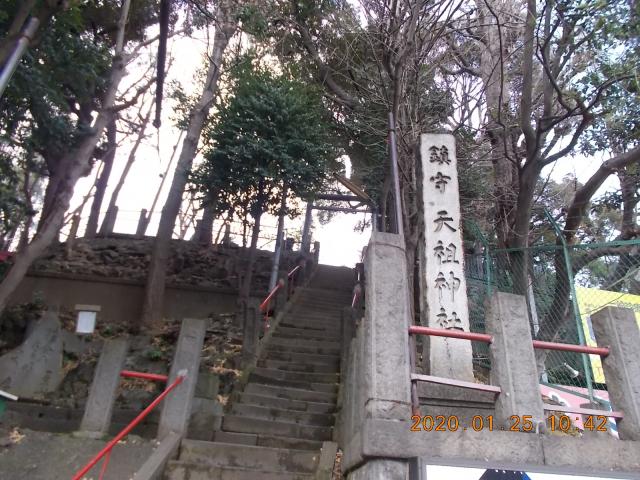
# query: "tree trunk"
549,326
204,231
103,181
155,286
130,160
273,279
245,289
28,187
78,160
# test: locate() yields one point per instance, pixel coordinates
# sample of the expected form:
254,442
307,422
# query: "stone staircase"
274,429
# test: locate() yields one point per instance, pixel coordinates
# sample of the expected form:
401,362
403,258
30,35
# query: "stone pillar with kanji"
443,289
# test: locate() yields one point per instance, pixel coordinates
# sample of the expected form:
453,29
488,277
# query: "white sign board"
86,322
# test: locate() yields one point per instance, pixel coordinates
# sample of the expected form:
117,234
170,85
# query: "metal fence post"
586,364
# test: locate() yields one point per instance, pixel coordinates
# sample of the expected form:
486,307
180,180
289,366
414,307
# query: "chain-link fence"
563,285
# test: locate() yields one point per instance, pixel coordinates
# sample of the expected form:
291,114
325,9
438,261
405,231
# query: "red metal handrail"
441,332
566,347
147,376
292,272
357,290
106,451
265,303
483,337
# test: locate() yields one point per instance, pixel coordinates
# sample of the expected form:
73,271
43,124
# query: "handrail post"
103,391
282,296
513,365
251,332
177,409
381,367
617,327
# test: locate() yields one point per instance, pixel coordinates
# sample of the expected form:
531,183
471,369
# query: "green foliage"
56,89
11,205
270,132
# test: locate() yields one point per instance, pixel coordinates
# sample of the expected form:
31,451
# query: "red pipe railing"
483,337
292,272
441,332
106,451
566,347
264,306
147,376
357,291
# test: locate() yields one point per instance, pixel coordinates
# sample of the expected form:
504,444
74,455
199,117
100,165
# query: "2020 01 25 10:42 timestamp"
518,423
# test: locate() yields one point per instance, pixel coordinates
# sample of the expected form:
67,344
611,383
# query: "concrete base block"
176,409
381,469
600,457
205,414
324,471
513,365
153,468
35,367
102,395
617,328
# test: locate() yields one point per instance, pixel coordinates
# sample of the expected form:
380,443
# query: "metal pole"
279,241
441,332
273,279
586,363
16,55
567,347
394,173
306,229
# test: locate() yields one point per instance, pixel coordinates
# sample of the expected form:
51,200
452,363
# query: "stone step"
304,342
312,292
316,313
289,376
281,415
312,321
273,380
311,327
286,404
293,346
314,327
216,454
330,310
178,470
301,357
291,393
267,440
234,423
295,332
298,366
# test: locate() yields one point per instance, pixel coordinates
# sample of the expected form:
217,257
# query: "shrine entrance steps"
275,428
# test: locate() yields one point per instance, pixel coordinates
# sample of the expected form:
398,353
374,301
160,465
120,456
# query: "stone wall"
120,299
111,272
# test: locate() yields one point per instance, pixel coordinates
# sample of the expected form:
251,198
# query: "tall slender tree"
226,24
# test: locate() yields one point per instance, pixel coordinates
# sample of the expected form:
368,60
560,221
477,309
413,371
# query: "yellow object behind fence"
590,300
